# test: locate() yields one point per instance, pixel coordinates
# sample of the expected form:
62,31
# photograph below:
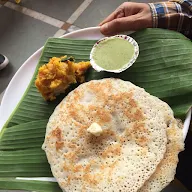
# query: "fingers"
136,16
131,23
124,10
118,13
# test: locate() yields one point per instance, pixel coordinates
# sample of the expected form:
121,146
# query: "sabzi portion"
58,74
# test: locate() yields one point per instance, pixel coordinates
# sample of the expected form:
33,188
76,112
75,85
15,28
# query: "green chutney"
113,53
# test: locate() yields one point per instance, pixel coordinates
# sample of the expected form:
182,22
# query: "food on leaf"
56,76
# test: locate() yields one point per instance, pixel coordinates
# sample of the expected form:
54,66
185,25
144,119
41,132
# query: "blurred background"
25,27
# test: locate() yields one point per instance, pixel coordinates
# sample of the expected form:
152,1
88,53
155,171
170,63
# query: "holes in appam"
168,123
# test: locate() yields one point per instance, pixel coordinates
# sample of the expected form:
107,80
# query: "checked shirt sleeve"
174,15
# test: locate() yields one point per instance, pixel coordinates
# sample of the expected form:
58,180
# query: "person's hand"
127,17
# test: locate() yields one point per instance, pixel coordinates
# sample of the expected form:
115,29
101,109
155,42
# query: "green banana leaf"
24,136
24,163
18,184
163,68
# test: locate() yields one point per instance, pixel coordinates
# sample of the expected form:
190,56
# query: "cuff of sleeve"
163,14
154,14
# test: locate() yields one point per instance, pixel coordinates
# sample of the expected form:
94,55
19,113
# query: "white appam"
128,151
166,170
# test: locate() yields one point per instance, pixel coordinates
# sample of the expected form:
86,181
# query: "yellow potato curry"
56,76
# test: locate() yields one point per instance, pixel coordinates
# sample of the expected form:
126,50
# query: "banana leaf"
163,68
24,163
19,184
24,136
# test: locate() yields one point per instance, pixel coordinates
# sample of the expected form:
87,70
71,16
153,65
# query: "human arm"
174,15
